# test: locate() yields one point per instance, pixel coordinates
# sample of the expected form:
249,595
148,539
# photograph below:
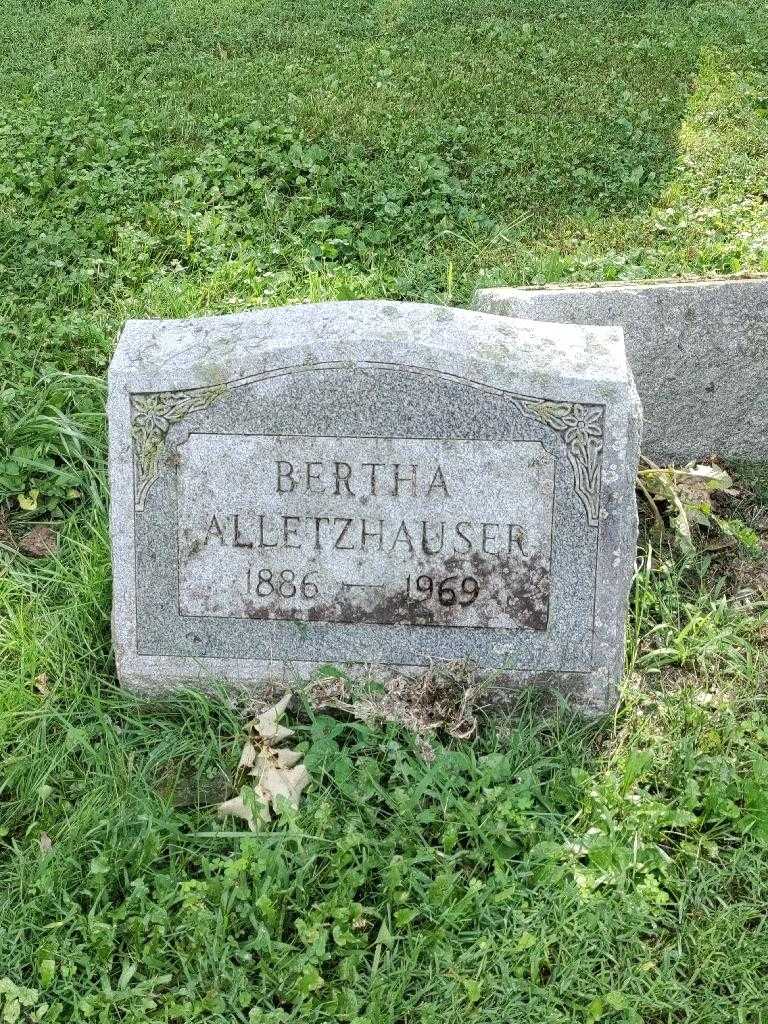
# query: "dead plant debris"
41,684
39,542
276,771
688,496
6,537
444,700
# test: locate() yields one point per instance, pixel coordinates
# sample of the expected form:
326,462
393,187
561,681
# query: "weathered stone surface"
378,485
698,350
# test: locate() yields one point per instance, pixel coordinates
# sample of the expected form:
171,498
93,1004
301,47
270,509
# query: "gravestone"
376,485
698,351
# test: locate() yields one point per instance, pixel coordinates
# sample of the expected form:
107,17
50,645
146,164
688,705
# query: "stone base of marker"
698,351
381,486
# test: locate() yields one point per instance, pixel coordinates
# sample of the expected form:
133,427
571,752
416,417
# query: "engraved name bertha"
427,532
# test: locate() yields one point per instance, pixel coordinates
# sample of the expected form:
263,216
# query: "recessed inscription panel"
378,530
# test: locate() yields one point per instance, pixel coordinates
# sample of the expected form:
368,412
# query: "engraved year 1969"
445,592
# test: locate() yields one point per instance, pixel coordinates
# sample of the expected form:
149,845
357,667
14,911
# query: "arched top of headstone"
224,346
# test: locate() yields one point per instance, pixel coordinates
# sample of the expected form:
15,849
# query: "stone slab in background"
698,350
377,485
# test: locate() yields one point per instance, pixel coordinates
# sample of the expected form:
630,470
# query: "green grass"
175,159
553,871
179,158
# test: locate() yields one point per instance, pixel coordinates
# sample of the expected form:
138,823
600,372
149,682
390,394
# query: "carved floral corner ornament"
581,428
153,415
579,425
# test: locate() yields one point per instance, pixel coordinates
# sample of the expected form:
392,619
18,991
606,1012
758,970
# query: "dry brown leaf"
266,725
275,734
40,542
40,684
287,758
286,782
238,808
248,757
283,757
276,770
688,494
46,843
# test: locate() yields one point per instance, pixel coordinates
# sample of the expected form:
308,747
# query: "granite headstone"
698,351
380,486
